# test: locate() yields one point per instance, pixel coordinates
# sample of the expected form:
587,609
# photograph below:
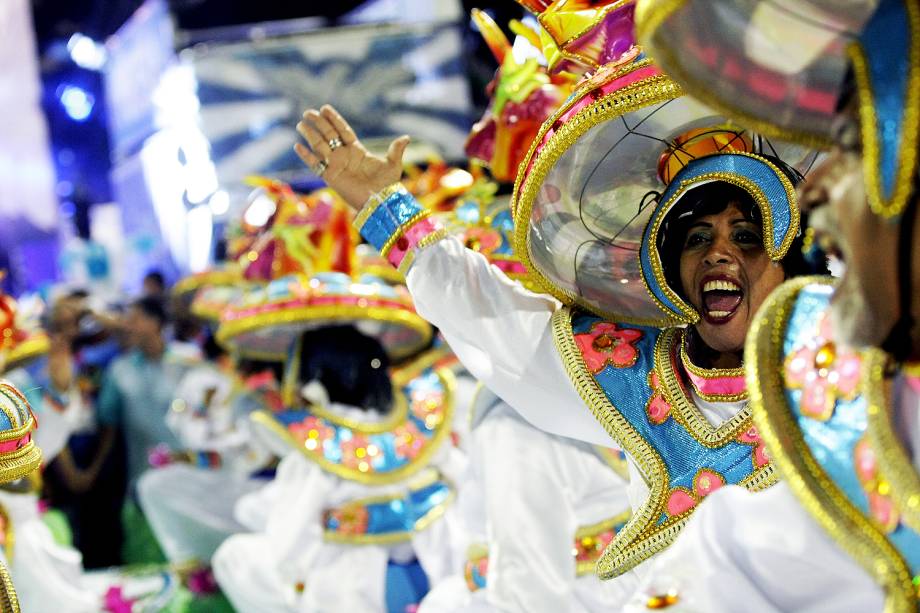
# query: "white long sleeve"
501,332
762,552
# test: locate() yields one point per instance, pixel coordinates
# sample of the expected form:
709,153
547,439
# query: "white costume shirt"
502,334
527,495
285,565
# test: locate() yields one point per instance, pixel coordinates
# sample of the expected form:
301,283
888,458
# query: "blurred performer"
210,417
832,370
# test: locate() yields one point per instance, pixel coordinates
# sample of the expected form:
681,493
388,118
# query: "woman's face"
726,275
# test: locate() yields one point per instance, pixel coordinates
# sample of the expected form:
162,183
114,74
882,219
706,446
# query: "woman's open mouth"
722,296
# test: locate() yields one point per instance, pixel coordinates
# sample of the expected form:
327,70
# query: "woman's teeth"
720,284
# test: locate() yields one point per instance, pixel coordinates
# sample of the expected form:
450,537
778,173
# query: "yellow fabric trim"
638,95
374,202
387,246
795,461
641,537
709,373
683,409
907,149
228,331
894,461
688,313
650,15
426,241
591,531
442,432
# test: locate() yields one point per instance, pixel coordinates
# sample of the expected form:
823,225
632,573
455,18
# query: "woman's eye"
696,239
746,237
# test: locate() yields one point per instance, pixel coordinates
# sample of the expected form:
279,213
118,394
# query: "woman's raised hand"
336,154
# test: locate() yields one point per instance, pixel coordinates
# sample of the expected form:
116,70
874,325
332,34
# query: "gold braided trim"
794,460
649,17
442,432
641,537
589,567
684,410
643,93
435,513
229,331
426,241
374,202
710,373
686,312
9,601
907,149
652,466
394,238
894,462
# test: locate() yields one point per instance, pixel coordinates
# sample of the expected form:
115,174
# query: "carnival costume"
354,488
584,211
519,554
838,423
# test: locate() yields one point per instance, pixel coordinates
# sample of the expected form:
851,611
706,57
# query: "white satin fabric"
285,565
190,508
525,497
765,552
47,576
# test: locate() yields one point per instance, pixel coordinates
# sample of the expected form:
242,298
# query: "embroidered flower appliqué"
881,507
752,437
682,500
349,519
409,441
824,372
312,432
607,343
657,408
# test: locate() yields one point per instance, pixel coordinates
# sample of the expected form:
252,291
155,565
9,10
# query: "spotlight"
85,52
78,103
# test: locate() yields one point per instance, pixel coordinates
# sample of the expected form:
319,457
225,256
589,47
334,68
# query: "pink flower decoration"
354,452
201,582
409,441
115,601
824,372
312,428
752,437
881,507
680,501
657,408
351,519
706,482
607,343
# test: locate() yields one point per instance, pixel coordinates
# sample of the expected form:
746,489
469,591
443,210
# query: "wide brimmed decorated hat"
312,277
23,338
789,68
486,226
608,167
19,455
222,275
522,95
580,36
265,322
